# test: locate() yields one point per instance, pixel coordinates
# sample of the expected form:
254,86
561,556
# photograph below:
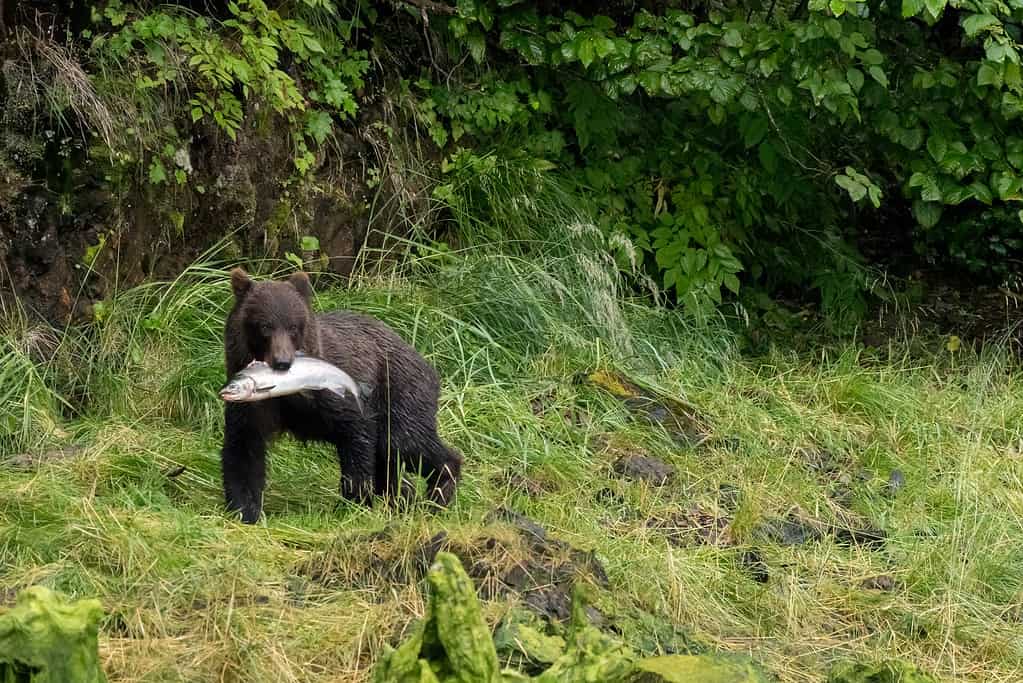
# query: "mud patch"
838,473
883,582
521,559
695,526
30,462
798,528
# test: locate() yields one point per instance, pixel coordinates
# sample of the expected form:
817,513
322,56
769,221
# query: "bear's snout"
282,352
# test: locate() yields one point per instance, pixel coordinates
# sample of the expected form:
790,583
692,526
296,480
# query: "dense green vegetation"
729,150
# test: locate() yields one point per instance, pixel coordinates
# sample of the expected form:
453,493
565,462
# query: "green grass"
312,593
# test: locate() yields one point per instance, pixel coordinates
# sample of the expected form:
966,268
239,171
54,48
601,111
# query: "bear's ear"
241,283
300,281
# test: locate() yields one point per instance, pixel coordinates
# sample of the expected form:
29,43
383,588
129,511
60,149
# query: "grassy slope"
194,595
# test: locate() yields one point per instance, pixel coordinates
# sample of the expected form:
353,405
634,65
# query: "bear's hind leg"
441,465
356,453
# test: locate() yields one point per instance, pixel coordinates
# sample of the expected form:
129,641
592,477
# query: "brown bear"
397,427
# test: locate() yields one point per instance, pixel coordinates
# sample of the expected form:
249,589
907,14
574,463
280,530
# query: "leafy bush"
221,65
756,142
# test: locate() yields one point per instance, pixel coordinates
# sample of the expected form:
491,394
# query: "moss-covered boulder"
45,638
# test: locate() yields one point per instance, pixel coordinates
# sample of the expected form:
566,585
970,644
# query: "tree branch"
430,6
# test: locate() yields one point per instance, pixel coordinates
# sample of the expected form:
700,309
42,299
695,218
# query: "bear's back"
370,351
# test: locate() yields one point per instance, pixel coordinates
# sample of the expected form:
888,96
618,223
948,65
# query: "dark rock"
791,530
175,472
644,468
553,602
895,482
428,551
521,522
869,536
753,562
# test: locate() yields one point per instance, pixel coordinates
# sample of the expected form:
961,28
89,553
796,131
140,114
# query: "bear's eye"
265,329
293,329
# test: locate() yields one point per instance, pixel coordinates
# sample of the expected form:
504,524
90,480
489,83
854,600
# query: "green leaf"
318,125
928,184
994,51
585,51
878,75
1005,185
731,282
768,157
937,147
313,45
855,188
927,214
911,8
935,7
1014,152
157,172
855,78
477,46
910,138
875,195
753,129
309,243
872,57
784,95
732,38
837,7
845,44
982,192
988,75
975,23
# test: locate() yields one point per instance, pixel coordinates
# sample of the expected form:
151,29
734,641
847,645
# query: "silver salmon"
258,381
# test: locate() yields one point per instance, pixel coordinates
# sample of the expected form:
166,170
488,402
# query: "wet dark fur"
270,321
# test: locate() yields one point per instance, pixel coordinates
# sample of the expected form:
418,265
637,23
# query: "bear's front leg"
243,463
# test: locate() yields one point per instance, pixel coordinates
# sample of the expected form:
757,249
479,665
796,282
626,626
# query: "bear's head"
275,317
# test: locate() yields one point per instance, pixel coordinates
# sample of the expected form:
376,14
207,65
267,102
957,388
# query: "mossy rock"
45,638
697,669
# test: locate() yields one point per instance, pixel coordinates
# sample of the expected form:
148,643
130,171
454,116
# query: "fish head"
239,389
